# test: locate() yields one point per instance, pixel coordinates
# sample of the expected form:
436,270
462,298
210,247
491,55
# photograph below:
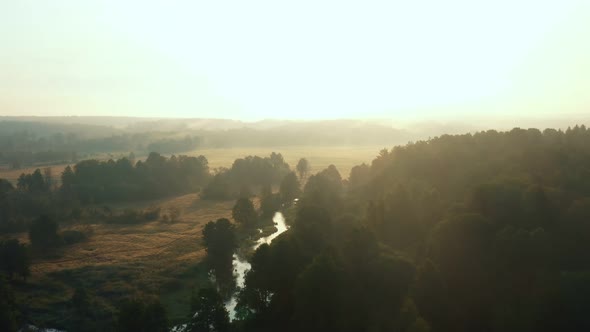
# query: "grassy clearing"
127,260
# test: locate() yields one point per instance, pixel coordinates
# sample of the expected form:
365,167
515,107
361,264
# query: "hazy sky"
300,59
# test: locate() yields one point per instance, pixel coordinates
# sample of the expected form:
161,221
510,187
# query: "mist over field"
267,166
223,225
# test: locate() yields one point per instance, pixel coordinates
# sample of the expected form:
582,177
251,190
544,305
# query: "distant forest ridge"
26,141
450,125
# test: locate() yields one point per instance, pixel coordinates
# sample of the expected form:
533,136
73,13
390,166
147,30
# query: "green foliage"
93,181
172,145
210,314
319,296
43,233
572,303
220,242
18,208
14,258
289,188
218,188
493,220
270,204
86,313
324,189
359,176
246,173
8,309
244,213
302,168
313,226
139,315
355,288
33,183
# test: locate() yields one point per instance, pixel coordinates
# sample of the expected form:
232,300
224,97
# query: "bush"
151,214
142,315
43,233
127,217
171,216
14,258
131,217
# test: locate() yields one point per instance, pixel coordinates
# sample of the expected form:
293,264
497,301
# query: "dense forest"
483,232
476,232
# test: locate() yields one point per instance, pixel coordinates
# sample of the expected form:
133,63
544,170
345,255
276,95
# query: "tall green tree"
139,315
8,308
244,213
33,183
302,169
14,258
290,188
220,242
209,311
324,189
43,232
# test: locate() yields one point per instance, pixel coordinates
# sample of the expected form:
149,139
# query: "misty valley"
482,231
294,166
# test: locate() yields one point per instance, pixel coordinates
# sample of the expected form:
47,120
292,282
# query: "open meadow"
117,260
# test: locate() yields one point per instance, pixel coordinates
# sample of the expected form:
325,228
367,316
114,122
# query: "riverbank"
241,265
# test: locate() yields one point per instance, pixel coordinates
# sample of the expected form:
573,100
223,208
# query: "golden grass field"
122,260
176,242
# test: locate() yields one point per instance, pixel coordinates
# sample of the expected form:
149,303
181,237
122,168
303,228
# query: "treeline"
122,180
171,145
247,176
93,181
482,232
19,205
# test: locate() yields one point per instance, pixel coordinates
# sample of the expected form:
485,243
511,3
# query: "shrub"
152,214
43,232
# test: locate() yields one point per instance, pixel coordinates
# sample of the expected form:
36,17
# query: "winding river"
241,266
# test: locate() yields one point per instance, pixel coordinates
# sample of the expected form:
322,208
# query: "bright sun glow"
306,59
